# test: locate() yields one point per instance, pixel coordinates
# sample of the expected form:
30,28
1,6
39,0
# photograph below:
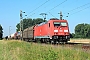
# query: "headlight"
65,30
55,30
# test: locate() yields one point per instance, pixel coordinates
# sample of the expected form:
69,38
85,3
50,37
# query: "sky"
79,12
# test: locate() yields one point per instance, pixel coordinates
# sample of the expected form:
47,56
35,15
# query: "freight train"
53,31
15,35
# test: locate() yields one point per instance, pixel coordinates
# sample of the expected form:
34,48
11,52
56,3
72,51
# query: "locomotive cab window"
63,24
49,24
60,24
56,23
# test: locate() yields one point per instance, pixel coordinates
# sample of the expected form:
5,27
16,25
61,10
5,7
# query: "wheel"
52,42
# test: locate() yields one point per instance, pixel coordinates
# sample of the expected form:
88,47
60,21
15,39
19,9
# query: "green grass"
19,50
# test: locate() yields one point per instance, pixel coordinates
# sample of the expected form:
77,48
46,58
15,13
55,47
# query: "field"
80,40
20,50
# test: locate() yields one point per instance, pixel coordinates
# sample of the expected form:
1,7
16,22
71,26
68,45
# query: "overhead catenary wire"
55,7
69,12
78,7
52,15
49,4
80,10
31,14
48,10
37,8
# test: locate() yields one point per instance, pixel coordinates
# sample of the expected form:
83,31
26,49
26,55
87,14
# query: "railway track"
82,46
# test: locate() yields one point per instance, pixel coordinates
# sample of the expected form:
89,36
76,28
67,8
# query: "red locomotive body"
52,31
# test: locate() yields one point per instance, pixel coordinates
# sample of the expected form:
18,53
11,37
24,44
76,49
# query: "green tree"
87,30
1,32
79,31
29,22
38,21
72,35
82,31
18,27
26,24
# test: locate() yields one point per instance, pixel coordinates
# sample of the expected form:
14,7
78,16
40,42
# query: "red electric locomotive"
53,31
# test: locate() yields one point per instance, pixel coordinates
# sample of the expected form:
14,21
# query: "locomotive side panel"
44,30
37,31
41,31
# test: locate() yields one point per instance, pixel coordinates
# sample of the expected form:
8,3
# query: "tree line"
81,30
29,22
